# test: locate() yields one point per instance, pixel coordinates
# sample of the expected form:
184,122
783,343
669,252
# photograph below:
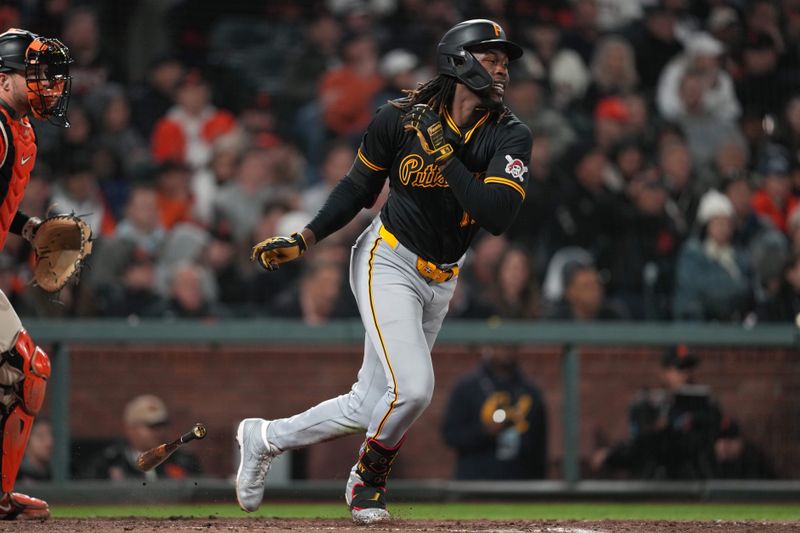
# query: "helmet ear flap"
470,72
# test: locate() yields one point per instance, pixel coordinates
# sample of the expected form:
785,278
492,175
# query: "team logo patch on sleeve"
515,167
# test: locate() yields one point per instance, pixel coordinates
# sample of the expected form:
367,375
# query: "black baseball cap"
679,357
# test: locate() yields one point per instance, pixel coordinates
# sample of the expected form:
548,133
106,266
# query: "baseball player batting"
456,161
34,79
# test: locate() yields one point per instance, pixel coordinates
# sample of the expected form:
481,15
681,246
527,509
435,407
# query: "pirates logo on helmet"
456,60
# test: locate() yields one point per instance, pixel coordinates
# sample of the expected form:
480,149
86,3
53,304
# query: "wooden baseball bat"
155,456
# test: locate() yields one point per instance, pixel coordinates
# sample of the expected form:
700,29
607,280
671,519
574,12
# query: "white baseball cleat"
256,455
367,503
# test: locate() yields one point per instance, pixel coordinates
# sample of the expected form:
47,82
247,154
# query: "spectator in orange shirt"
174,194
186,133
347,92
774,201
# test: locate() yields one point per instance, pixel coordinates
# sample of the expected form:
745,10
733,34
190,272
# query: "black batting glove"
423,121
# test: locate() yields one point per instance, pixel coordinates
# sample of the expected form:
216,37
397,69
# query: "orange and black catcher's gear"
31,368
454,57
45,64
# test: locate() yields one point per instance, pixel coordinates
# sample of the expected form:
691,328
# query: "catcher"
34,80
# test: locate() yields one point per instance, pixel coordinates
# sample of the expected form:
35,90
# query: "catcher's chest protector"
17,156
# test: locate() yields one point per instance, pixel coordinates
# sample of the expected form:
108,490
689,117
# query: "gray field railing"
570,336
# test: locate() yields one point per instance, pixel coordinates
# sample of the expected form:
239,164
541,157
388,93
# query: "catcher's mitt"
61,243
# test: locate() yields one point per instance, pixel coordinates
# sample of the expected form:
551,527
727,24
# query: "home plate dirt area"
194,525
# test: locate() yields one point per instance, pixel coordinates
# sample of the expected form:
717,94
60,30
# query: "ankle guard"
375,462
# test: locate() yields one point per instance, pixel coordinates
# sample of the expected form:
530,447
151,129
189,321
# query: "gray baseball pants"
402,313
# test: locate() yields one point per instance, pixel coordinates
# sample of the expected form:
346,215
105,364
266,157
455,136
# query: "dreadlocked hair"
437,94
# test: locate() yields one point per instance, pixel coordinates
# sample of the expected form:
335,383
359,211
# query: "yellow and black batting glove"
276,250
422,120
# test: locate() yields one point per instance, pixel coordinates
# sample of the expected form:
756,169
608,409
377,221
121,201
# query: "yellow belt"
425,268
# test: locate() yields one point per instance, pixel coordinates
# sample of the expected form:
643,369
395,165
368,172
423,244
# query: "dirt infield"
228,525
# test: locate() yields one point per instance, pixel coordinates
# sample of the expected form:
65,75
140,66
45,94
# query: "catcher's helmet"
45,64
455,59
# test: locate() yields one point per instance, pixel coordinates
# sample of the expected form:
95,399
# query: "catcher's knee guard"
24,371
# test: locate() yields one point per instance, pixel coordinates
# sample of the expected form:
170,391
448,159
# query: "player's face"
495,61
16,91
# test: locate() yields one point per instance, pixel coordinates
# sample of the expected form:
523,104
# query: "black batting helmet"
455,59
45,64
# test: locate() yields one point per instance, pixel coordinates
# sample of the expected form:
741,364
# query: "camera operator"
673,429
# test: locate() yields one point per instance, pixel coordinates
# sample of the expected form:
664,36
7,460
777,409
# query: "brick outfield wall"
219,385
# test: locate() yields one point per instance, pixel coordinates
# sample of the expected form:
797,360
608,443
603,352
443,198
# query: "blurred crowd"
664,179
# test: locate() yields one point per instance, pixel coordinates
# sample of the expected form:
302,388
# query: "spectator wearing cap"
186,133
712,278
702,58
736,457
610,122
774,200
672,427
145,420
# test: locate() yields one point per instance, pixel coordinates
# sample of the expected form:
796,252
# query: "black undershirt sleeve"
342,205
363,183
19,221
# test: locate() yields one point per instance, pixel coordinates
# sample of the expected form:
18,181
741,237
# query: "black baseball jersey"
422,210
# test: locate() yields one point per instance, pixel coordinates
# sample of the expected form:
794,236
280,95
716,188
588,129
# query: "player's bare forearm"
309,237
